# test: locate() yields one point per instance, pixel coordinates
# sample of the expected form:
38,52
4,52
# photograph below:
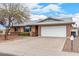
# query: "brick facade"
34,29
68,30
20,29
32,32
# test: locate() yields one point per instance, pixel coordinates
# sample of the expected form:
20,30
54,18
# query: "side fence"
71,46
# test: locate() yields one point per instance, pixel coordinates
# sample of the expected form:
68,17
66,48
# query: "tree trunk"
78,31
8,29
6,34
6,38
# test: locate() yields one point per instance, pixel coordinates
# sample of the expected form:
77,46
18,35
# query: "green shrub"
23,33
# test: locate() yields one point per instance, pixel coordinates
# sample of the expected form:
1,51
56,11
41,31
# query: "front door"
36,30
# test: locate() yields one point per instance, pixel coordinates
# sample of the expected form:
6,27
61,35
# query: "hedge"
23,34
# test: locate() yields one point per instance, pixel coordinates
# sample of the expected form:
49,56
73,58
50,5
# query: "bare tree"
11,12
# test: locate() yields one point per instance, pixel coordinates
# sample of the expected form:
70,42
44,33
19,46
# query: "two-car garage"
53,31
52,27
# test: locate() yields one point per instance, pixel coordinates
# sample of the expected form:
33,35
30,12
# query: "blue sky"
70,8
54,9
57,10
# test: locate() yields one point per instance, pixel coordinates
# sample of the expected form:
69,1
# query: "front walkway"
35,46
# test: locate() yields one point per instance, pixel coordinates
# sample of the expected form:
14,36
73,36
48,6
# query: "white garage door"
53,31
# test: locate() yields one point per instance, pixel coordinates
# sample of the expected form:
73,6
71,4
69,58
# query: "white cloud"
60,3
35,8
52,7
33,5
76,15
76,18
43,9
37,17
64,15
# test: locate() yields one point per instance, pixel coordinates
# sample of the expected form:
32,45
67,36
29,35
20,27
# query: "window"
16,28
73,33
26,29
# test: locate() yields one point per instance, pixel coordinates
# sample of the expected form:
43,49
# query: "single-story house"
50,27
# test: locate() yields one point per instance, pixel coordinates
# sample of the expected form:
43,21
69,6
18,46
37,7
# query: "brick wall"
21,29
67,45
68,30
32,32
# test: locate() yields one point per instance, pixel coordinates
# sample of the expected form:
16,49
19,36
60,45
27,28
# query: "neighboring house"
2,30
75,30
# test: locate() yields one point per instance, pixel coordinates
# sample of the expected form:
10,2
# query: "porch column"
39,30
32,33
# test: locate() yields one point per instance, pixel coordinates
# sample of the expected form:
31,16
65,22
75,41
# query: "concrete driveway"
34,46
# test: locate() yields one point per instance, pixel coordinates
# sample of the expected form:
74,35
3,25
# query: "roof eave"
53,24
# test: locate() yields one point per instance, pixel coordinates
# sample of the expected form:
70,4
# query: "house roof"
52,21
48,21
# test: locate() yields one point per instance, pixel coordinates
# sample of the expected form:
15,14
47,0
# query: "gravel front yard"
35,46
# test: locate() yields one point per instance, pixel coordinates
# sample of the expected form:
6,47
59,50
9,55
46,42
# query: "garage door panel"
53,31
